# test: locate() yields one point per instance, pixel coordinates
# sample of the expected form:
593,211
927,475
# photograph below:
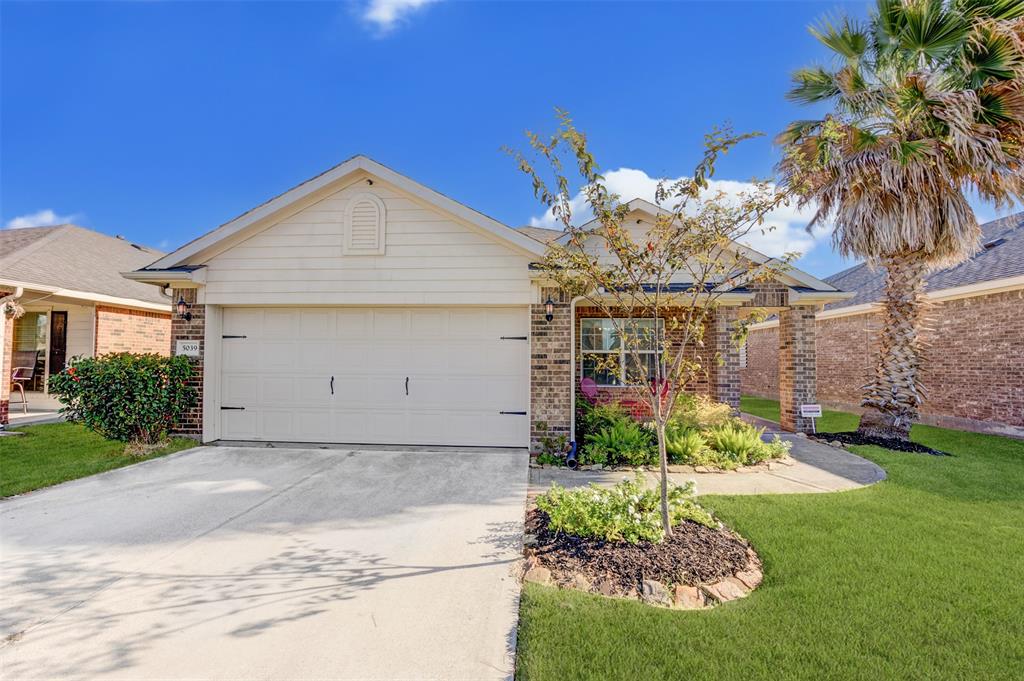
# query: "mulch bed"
694,554
854,438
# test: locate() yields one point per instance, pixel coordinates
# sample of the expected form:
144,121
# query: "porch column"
797,365
725,383
551,383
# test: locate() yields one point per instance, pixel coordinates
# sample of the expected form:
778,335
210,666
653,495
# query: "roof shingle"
999,260
75,258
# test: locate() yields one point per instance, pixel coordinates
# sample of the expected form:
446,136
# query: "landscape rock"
688,597
605,587
580,582
803,435
729,589
538,575
751,578
680,468
836,443
529,539
655,593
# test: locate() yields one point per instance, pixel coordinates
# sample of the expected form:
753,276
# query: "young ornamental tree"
676,271
927,106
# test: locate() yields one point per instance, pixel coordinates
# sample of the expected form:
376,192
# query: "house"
363,307
76,303
974,369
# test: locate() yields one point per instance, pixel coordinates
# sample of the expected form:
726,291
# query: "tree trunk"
666,521
893,396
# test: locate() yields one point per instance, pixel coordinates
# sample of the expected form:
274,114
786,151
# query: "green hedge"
127,397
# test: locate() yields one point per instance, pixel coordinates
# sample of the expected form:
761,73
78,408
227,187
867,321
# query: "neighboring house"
363,307
76,303
974,369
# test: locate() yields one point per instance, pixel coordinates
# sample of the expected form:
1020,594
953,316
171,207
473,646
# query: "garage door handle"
234,408
332,385
513,413
514,338
406,385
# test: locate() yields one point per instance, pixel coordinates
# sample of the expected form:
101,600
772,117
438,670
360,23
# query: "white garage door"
447,376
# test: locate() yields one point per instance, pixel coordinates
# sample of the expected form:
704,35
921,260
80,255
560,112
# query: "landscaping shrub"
700,411
737,442
127,397
685,444
625,512
624,442
552,448
593,418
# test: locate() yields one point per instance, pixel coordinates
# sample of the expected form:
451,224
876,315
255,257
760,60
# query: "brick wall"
120,329
6,362
797,366
191,423
725,371
551,382
974,376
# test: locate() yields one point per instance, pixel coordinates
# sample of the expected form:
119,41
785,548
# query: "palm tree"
927,107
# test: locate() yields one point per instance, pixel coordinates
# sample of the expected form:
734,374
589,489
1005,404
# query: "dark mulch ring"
694,554
855,438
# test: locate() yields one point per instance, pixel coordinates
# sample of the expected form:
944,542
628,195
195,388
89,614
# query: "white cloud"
789,233
41,218
386,15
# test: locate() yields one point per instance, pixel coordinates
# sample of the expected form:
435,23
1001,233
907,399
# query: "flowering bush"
625,512
132,398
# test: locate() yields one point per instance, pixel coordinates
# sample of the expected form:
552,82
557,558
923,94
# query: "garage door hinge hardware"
234,408
234,336
514,338
514,413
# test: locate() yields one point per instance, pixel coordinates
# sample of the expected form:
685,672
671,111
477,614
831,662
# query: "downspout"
573,380
18,293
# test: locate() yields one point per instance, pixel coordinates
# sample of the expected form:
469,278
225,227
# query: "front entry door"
58,341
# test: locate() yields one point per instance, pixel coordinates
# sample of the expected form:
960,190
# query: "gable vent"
364,226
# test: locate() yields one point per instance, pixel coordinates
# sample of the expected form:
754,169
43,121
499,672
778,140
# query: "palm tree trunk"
894,395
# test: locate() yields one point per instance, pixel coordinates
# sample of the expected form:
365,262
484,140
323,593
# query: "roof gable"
321,186
794,275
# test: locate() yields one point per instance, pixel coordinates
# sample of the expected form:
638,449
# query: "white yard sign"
189,348
811,411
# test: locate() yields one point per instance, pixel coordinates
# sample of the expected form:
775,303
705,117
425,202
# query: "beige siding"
81,323
430,258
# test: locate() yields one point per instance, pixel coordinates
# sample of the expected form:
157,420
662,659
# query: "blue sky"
160,120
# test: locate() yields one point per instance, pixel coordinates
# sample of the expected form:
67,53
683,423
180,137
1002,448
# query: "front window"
613,358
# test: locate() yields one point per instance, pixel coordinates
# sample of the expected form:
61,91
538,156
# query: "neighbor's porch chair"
23,371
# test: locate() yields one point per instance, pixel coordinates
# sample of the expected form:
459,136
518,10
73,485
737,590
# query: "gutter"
175,278
985,288
86,295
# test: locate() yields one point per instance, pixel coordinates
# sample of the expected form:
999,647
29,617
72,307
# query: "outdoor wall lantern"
183,309
549,309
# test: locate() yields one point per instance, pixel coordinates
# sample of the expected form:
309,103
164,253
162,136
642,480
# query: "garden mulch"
694,554
855,438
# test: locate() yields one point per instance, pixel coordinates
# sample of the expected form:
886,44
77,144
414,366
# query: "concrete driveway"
263,563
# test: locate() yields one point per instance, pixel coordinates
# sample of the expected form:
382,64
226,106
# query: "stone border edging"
769,465
682,597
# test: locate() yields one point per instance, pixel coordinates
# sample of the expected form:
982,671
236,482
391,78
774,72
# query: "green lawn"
917,577
56,452
830,421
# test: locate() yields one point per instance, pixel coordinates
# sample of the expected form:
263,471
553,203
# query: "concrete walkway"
814,468
268,564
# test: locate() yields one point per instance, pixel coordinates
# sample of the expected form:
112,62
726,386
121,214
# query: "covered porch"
562,345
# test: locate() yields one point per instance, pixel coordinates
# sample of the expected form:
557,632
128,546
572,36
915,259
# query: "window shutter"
364,226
